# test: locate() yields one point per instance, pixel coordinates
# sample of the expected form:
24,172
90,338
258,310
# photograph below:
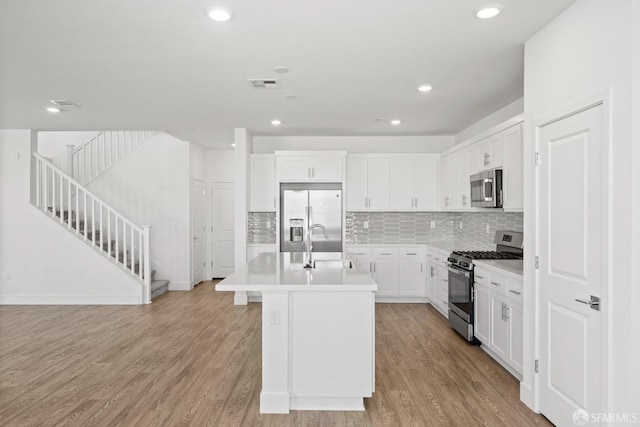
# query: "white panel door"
482,314
401,184
263,184
427,184
378,184
385,273
412,279
572,264
222,220
356,185
198,228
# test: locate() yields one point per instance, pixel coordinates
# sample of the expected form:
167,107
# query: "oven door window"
460,294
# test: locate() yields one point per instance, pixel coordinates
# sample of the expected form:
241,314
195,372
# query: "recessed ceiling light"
219,14
395,122
281,70
425,88
276,122
233,145
53,109
290,96
488,11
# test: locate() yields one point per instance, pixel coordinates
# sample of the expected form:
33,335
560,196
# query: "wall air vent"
64,103
264,83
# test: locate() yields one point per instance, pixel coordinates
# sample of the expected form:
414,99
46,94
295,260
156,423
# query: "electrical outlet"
267,224
460,225
365,224
433,224
488,231
9,276
274,317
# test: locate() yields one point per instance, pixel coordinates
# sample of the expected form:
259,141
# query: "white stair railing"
88,160
68,202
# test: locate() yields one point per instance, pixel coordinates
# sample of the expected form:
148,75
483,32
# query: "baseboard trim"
527,396
70,300
180,286
402,300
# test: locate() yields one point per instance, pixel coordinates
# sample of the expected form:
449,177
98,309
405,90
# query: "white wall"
635,328
40,262
354,144
151,185
585,50
493,119
196,161
54,144
219,165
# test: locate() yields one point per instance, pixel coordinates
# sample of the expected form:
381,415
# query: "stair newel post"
147,263
70,159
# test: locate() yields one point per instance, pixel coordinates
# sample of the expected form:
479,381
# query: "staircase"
71,205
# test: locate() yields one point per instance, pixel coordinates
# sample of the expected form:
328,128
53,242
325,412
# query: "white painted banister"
91,158
68,202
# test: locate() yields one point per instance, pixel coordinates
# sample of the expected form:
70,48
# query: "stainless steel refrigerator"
302,205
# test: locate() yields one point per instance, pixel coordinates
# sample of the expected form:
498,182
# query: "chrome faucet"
309,263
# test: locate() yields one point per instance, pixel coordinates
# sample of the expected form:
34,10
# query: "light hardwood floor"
193,358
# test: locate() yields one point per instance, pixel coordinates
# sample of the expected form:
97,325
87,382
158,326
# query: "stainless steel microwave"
486,189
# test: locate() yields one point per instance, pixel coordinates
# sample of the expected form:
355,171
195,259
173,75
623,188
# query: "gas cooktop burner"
487,255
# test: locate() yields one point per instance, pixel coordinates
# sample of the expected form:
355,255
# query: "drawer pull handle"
515,292
385,253
495,284
479,276
411,253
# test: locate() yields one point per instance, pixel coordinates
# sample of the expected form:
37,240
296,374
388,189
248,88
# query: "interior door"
571,258
198,230
222,220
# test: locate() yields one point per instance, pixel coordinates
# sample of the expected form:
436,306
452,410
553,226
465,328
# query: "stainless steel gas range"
461,315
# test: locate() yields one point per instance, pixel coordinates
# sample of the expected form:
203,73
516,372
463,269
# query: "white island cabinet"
318,332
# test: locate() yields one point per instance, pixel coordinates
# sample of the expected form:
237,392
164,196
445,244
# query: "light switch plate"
433,224
267,224
365,224
488,230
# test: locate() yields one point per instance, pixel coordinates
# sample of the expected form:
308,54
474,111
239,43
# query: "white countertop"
284,272
514,266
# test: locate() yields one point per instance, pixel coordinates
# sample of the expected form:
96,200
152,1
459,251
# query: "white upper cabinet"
414,183
311,167
490,152
427,183
402,184
457,168
512,169
367,184
263,183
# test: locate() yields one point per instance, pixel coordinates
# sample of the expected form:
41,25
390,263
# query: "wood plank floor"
193,358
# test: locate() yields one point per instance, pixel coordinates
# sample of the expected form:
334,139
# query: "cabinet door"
443,285
412,278
427,184
431,282
463,187
263,184
293,168
356,184
402,182
490,152
514,314
499,334
385,273
448,164
378,184
482,314
496,151
327,169
512,168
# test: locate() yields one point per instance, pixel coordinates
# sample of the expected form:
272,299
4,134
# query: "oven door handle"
459,271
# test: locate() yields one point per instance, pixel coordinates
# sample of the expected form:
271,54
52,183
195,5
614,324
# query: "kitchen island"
318,331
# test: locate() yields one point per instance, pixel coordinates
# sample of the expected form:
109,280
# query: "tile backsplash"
257,230
468,228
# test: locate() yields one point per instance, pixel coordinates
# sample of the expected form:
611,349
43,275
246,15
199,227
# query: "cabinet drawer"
385,252
360,253
498,283
515,291
481,277
411,253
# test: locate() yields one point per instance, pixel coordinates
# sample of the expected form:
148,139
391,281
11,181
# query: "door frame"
530,393
191,230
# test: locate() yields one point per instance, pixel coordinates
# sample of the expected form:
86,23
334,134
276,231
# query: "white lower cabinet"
498,317
438,281
400,272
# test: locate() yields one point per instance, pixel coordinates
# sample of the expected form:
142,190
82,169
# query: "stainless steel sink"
332,263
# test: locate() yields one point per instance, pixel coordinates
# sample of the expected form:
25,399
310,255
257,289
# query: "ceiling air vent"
64,103
264,83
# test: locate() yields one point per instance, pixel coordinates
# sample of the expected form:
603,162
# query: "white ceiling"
164,65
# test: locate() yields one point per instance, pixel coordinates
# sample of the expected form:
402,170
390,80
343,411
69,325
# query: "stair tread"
155,284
